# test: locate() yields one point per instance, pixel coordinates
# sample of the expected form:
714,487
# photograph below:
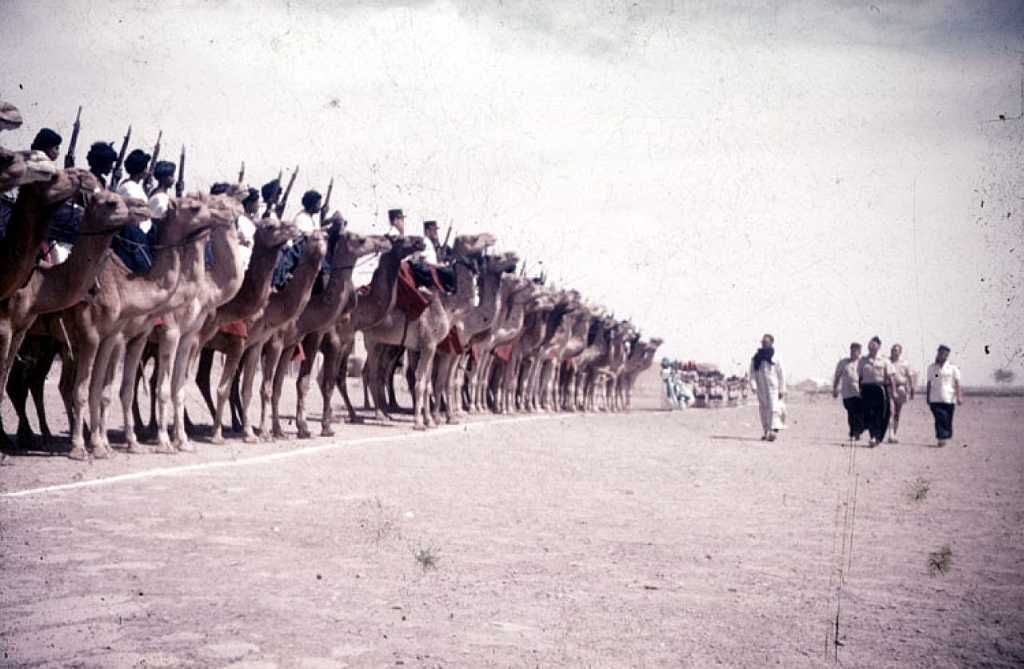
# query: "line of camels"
501,342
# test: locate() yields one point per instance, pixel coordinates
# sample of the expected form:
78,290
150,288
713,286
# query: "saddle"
433,277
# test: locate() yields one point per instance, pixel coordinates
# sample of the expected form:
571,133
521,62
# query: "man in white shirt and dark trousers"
847,381
943,393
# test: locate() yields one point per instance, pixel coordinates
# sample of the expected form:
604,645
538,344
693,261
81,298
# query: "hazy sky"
821,171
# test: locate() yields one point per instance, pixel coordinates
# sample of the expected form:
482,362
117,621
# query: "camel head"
189,216
471,245
138,210
520,289
655,343
18,168
10,117
273,234
315,247
359,246
404,247
224,209
68,183
503,263
107,212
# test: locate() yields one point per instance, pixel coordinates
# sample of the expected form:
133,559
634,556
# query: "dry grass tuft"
918,489
940,561
427,557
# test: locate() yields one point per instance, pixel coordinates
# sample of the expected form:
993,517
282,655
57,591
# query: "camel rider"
246,226
437,252
271,192
48,142
306,223
160,198
424,265
101,159
397,220
132,244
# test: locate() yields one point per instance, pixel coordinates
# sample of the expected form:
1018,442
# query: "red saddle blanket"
503,352
237,328
409,300
451,343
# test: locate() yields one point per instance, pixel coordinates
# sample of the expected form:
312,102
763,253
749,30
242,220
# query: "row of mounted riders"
482,337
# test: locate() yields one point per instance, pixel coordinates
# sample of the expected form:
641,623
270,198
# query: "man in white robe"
769,383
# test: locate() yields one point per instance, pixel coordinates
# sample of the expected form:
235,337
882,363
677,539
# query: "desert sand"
642,540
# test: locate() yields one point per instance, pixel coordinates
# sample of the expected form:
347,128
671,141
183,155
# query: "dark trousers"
854,416
943,419
875,399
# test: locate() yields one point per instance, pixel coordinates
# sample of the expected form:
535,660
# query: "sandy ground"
649,539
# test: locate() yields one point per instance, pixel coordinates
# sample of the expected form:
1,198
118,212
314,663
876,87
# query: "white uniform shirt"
849,378
305,223
874,370
246,237
943,379
134,189
159,203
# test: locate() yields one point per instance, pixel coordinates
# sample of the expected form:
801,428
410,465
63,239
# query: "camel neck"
325,308
26,232
256,286
383,290
65,285
226,274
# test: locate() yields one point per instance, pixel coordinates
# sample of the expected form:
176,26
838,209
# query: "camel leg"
310,347
327,380
442,362
365,376
227,379
179,381
106,398
270,357
250,361
17,393
168,339
204,372
421,411
37,385
283,362
133,352
104,359
375,380
13,345
85,357
342,381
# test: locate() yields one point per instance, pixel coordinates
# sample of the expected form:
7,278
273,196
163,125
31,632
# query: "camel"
124,307
517,293
603,369
475,321
371,308
540,330
52,289
30,222
530,334
177,337
641,357
250,301
284,306
10,117
320,315
574,347
426,332
597,346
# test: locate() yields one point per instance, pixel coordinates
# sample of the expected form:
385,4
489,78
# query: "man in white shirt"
846,381
770,383
308,219
943,393
246,227
132,243
875,372
160,198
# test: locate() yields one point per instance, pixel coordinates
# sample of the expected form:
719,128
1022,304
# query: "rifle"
241,173
287,191
444,245
273,201
148,181
116,175
179,186
327,202
69,159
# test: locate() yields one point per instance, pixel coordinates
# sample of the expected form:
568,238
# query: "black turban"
270,190
136,162
220,188
102,155
163,168
46,139
310,198
252,197
395,213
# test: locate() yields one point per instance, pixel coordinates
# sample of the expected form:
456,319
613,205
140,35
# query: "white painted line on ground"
272,457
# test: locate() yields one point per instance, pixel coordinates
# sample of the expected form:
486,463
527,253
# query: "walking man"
943,393
847,382
903,388
770,384
876,392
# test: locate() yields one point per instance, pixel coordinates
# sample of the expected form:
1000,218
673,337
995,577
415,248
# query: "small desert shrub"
427,557
940,561
917,489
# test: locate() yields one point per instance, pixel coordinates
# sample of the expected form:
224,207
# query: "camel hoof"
454,421
101,453
419,427
78,453
164,449
327,432
251,439
278,434
136,448
303,433
187,447
217,439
